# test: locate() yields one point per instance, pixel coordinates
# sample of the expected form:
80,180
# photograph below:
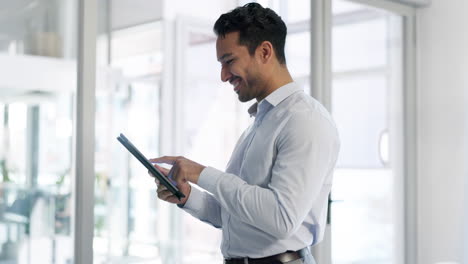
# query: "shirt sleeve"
307,149
203,206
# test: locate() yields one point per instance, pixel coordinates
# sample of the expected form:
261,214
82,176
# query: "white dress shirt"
273,195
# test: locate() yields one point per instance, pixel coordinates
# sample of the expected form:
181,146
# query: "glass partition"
126,209
37,95
367,99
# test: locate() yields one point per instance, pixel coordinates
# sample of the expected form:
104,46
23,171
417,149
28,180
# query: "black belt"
275,259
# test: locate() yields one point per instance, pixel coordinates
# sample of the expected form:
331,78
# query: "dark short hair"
255,25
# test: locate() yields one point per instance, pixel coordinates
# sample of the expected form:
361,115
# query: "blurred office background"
393,74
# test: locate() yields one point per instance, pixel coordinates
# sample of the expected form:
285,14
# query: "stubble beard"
246,93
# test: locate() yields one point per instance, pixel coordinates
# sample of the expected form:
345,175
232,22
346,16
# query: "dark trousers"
306,259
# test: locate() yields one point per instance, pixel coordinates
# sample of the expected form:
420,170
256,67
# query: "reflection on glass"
126,209
37,92
366,85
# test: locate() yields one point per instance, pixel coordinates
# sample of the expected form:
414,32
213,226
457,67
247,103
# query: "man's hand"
165,195
183,170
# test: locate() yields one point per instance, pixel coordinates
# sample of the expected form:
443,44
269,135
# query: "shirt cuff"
194,199
209,179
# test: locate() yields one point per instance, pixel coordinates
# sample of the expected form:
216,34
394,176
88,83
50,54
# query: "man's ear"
265,51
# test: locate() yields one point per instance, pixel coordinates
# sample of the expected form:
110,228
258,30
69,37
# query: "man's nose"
225,74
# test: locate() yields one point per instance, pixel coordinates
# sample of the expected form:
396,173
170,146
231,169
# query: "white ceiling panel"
127,13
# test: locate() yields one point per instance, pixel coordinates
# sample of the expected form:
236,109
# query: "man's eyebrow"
224,56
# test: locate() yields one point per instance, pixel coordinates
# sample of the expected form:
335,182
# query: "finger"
151,174
178,175
164,159
162,169
173,199
161,188
165,195
172,172
156,181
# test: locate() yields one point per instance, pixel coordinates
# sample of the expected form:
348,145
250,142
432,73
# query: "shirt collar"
276,96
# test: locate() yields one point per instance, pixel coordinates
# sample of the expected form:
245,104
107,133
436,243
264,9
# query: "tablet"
153,171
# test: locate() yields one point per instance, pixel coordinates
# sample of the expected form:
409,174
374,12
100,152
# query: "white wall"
443,79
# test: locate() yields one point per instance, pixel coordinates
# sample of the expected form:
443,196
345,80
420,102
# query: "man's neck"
279,79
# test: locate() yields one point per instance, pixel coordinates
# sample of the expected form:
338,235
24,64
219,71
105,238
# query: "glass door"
367,217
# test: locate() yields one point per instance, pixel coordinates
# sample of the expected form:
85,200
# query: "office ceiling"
17,17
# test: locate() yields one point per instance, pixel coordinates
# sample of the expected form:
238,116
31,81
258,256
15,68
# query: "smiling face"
238,67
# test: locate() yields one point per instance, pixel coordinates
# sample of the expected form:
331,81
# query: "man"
271,202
